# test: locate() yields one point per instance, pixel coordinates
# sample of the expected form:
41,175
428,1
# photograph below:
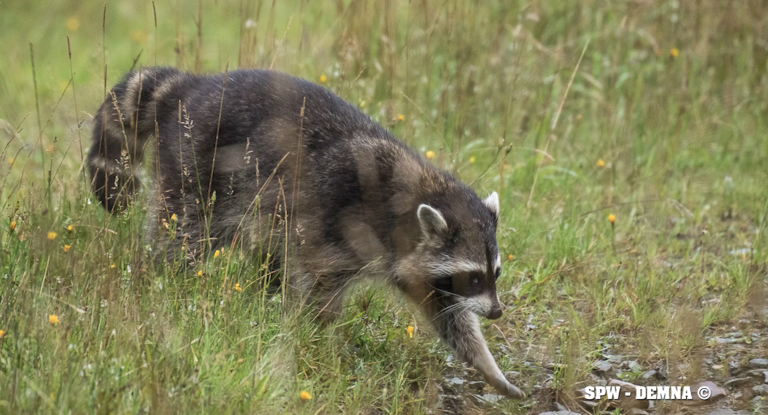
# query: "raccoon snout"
495,312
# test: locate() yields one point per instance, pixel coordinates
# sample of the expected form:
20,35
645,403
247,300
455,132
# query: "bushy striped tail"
123,124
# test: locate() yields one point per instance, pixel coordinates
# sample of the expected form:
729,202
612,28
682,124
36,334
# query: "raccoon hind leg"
327,294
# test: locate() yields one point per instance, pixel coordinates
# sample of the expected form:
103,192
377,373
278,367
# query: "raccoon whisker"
460,297
450,309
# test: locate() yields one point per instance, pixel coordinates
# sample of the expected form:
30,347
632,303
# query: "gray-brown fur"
291,163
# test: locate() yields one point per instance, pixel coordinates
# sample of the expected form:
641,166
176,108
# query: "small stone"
596,380
758,363
755,373
738,395
455,381
492,398
603,367
727,411
721,340
760,390
634,366
736,381
649,374
615,358
734,367
716,393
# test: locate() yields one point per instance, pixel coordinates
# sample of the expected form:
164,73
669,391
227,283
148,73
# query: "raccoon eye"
474,278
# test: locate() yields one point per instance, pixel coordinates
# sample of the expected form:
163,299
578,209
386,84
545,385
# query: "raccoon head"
458,255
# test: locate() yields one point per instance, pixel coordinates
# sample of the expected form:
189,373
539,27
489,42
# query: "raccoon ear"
431,221
492,202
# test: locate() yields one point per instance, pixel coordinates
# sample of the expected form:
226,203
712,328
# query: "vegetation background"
653,112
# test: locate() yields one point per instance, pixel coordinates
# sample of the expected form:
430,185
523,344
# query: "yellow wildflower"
600,163
13,226
139,36
410,331
200,273
510,257
2,333
471,159
323,79
430,154
174,218
73,23
237,287
400,117
305,396
53,318
70,228
51,236
67,248
612,218
216,254
674,52
113,266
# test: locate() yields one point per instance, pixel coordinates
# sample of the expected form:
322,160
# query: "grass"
670,95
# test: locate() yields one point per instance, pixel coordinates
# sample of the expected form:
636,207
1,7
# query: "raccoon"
258,156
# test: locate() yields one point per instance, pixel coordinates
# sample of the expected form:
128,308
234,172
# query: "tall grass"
670,95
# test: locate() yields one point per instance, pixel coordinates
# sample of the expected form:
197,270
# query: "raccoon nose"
495,312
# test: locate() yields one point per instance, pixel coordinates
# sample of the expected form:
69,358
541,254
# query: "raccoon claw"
508,389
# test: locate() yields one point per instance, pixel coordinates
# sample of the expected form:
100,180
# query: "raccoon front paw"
508,389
